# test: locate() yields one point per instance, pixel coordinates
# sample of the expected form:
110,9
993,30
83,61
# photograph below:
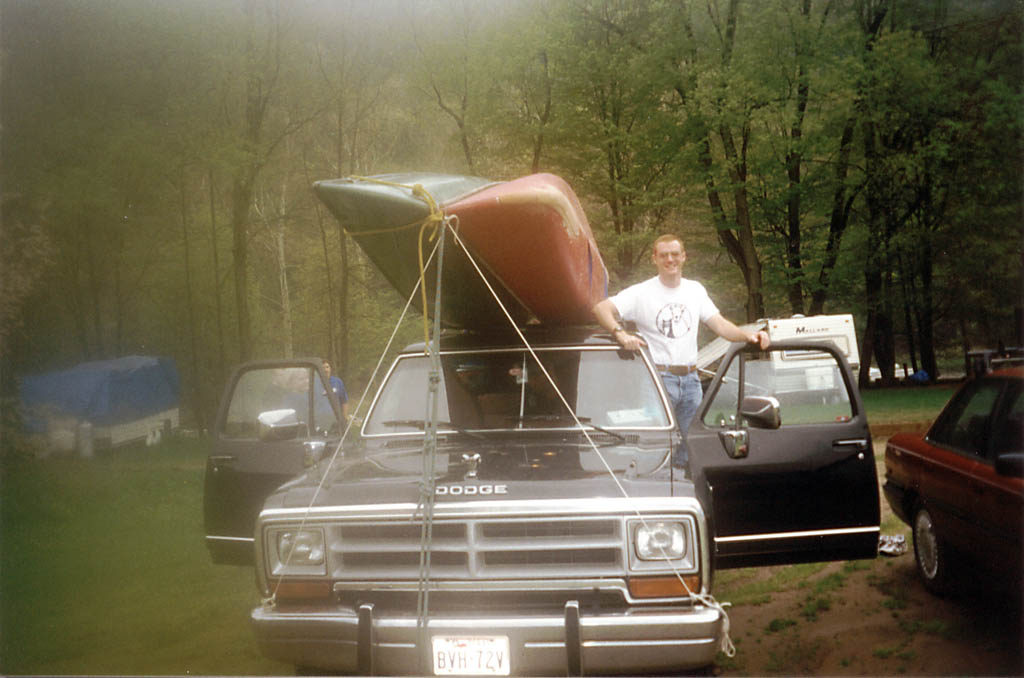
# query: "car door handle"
221,460
860,444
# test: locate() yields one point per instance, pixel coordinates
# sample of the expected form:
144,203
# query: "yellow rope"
427,226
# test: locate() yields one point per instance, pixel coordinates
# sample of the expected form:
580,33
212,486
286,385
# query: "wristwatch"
618,328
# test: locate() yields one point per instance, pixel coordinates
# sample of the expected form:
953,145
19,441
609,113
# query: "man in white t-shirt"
667,310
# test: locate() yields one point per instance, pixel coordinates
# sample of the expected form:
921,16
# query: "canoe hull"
533,235
529,236
383,216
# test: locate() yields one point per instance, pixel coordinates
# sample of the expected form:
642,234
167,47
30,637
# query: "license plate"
471,656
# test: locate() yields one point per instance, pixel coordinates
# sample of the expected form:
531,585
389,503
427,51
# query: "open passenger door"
782,459
275,419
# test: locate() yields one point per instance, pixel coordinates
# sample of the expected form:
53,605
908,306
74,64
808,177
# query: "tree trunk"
241,194
872,263
794,161
926,314
286,299
838,220
215,252
343,368
74,300
544,117
737,237
910,299
749,263
257,94
198,407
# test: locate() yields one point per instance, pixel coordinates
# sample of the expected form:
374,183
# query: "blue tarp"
104,392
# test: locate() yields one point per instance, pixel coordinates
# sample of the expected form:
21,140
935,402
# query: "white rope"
726,646
351,420
707,599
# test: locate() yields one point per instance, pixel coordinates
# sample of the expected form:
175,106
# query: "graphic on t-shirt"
674,320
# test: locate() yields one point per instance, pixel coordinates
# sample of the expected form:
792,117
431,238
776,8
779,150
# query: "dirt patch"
873,619
865,618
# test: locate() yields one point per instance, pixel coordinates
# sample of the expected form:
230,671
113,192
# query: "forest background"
157,158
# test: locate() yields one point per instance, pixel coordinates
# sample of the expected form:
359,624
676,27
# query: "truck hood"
487,471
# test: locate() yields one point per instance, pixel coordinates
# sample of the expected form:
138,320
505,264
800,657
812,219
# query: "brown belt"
678,370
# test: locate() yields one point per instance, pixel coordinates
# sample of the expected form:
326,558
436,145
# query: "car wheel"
934,560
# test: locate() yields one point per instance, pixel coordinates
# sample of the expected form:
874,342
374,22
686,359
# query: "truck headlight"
660,540
300,547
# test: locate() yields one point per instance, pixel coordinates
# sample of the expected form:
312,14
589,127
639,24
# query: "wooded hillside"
817,156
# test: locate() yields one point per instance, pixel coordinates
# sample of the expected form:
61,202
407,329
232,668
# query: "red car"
960,486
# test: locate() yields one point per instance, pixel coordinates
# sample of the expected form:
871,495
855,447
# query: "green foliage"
127,142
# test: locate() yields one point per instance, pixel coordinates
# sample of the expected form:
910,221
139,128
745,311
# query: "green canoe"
382,214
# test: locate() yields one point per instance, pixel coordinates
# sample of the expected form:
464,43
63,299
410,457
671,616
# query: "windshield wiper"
422,425
565,417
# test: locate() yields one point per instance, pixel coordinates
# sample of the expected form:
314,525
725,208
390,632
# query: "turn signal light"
664,587
296,591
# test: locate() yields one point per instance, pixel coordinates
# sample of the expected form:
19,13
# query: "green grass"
906,404
103,570
776,625
743,586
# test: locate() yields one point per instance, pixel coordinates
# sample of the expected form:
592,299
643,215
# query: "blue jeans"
685,393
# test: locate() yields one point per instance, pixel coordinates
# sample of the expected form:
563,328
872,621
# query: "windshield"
508,390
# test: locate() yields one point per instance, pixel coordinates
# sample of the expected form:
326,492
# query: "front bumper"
358,640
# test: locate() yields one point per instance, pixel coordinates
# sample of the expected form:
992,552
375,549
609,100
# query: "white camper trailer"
798,371
812,370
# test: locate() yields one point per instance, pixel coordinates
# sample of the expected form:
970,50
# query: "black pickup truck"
546,531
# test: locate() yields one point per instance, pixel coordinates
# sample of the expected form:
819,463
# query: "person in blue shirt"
338,386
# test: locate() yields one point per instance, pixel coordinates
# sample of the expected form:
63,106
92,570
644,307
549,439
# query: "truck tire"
932,554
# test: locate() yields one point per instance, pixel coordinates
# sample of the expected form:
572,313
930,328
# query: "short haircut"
668,237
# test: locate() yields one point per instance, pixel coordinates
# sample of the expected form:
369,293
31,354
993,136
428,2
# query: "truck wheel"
932,554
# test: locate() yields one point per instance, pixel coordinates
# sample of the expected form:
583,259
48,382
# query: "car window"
1008,434
257,391
263,389
506,390
967,425
809,390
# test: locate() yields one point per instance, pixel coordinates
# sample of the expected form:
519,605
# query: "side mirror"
278,425
1010,464
761,412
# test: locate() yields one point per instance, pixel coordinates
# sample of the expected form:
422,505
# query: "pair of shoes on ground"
892,544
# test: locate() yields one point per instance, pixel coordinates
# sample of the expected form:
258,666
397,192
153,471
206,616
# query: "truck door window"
809,391
257,391
274,388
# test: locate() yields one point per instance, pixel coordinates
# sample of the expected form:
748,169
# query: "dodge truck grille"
486,548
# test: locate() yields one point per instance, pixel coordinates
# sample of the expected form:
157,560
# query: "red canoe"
532,234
